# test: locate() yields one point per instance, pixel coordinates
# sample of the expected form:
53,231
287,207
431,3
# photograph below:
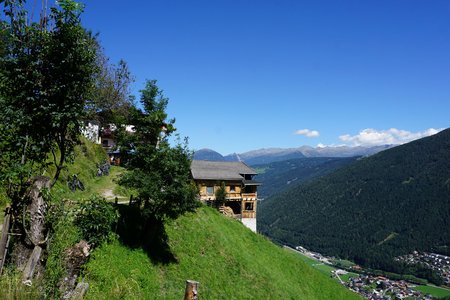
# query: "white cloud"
393,136
322,145
307,133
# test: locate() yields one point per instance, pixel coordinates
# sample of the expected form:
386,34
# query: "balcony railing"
249,196
232,196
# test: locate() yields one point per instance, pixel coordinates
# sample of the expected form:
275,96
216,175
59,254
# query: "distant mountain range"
269,155
375,208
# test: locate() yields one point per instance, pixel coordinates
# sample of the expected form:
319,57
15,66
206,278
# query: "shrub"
96,218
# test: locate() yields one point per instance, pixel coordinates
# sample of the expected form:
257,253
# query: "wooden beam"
4,240
31,265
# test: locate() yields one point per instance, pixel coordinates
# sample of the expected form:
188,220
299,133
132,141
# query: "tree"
46,75
159,173
111,100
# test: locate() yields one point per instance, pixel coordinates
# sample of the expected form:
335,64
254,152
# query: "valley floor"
371,287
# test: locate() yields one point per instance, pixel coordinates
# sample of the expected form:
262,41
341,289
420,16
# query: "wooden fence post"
191,292
4,240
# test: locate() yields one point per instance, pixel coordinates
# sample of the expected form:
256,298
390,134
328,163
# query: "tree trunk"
37,210
36,232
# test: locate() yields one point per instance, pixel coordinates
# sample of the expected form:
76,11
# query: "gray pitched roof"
251,182
220,170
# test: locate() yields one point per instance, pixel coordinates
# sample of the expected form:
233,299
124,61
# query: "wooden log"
80,291
4,240
191,292
31,265
37,210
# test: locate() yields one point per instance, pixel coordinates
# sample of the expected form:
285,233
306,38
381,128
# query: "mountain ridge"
269,155
402,193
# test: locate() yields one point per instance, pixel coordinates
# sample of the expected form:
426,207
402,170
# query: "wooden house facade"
241,189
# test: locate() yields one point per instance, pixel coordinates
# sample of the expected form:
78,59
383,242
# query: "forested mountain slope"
277,176
388,204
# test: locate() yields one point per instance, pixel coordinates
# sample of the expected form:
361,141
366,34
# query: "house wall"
202,186
243,201
249,209
250,223
108,142
90,131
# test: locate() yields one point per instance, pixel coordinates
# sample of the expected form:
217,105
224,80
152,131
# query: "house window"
232,189
105,143
210,190
248,205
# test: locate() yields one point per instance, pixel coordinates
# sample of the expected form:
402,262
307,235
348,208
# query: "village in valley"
382,288
437,262
377,287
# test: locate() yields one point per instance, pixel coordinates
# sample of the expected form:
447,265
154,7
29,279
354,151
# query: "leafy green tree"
158,172
46,77
111,101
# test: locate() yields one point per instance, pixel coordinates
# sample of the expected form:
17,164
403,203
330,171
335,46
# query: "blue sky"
243,75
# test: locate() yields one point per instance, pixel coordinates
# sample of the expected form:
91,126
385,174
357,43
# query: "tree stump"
191,292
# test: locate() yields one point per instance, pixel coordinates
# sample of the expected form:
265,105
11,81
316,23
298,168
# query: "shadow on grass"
136,231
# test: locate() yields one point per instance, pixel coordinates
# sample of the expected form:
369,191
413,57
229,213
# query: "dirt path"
109,195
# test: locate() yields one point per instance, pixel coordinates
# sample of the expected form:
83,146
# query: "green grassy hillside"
228,260
87,156
378,207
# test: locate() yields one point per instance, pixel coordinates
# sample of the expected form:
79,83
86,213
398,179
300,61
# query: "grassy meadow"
226,258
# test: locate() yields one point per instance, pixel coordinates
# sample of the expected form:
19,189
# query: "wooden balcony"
249,196
233,196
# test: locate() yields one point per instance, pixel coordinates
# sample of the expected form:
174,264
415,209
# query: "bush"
96,218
